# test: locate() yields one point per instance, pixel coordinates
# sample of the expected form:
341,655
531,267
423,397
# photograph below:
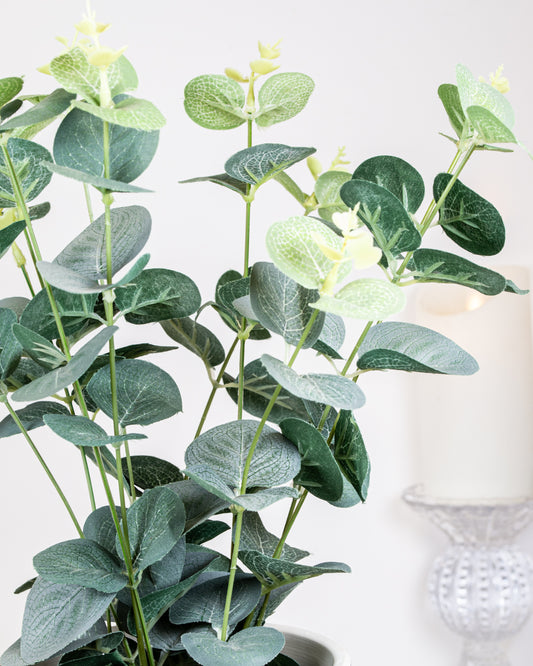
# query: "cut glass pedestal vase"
483,583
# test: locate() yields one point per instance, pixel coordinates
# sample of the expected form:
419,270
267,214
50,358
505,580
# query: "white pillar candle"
474,437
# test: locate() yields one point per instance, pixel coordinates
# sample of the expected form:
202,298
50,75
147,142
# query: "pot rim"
340,655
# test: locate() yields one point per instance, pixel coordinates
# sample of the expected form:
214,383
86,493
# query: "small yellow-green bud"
235,75
262,66
20,259
269,51
314,166
103,56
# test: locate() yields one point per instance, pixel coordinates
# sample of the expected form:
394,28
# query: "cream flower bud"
314,166
362,251
103,56
235,75
269,51
347,221
20,259
262,66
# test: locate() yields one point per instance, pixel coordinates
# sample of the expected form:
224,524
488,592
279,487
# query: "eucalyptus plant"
136,583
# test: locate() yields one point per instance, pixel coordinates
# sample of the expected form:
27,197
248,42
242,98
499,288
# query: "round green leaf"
196,338
476,93
215,101
327,192
283,96
27,158
82,431
149,471
254,646
145,393
139,114
489,127
367,298
31,417
259,163
9,87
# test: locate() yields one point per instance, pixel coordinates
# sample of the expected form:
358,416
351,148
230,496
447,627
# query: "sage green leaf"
81,562
9,87
474,92
74,72
199,504
254,646
149,471
27,158
15,303
79,145
339,392
86,254
438,266
449,96
207,531
275,460
327,193
260,499
145,393
155,523
367,298
319,474
9,234
259,163
511,287
25,372
282,305
331,336
168,570
220,179
468,219
273,573
31,417
395,175
490,128
122,76
283,96
37,347
139,114
82,431
57,614
401,346
196,338
205,602
10,109
158,294
384,214
215,101
61,377
294,251
75,311
348,498
350,453
97,181
100,527
10,347
256,537
49,108
230,287
258,389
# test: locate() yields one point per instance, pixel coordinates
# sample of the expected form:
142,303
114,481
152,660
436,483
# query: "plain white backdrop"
377,67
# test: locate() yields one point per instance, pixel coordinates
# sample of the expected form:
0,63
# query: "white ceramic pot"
311,649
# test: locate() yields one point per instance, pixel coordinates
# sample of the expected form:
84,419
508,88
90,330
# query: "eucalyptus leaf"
82,431
350,453
158,294
215,101
9,234
490,128
138,114
401,346
339,392
256,537
199,504
37,347
395,175
31,417
283,96
327,192
384,214
468,219
366,298
231,287
10,347
450,98
281,305
149,471
81,562
249,647
263,161
196,338
97,181
61,377
319,474
275,460
438,266
207,531
145,393
331,336
27,159
9,87
51,106
476,93
55,615
220,179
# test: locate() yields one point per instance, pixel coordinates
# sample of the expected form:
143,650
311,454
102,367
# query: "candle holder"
483,583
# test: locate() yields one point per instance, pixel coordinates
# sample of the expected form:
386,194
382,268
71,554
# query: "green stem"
52,478
28,281
237,531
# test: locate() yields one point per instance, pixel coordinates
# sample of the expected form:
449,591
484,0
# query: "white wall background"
376,67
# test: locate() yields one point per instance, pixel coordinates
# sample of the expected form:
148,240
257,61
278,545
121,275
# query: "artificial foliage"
137,582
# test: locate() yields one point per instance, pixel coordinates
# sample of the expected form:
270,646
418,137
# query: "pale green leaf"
27,158
9,87
327,192
474,92
215,101
259,163
139,114
283,96
366,298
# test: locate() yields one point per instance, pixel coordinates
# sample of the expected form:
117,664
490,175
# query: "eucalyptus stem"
43,464
28,281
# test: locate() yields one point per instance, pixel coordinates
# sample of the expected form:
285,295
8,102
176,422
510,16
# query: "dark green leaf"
449,96
220,179
82,431
10,348
149,471
27,158
198,503
51,106
97,181
31,417
468,219
401,346
9,234
259,163
207,531
350,453
256,537
100,527
196,338
249,647
38,348
331,336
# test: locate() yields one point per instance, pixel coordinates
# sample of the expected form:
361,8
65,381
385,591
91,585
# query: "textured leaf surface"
37,347
283,96
401,346
196,338
256,537
198,503
145,393
215,101
476,93
384,214
275,459
31,417
490,128
319,474
367,298
9,87
61,377
259,163
249,647
51,106
282,305
82,431
9,234
438,266
449,96
27,158
97,181
351,455
395,175
138,114
334,390
149,471
468,219
327,192
57,614
331,336
10,347
81,562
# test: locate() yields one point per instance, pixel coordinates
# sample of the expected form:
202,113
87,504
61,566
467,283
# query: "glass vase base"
484,654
